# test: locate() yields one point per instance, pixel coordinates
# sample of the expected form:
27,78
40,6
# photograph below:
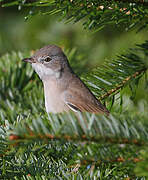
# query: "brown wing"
79,97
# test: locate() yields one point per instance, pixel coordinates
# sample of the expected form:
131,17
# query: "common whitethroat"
63,89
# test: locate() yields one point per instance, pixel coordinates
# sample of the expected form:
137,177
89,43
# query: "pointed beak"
30,60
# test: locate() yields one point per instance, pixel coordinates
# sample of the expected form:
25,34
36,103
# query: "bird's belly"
53,101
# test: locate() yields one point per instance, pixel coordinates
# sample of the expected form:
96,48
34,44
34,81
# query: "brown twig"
110,160
76,138
124,82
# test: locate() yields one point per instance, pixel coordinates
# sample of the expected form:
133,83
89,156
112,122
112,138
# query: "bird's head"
48,61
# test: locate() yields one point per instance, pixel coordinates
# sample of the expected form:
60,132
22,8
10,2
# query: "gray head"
48,61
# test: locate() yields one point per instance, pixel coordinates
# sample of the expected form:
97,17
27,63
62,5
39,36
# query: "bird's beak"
30,60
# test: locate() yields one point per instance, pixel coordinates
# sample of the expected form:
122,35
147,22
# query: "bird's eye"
47,59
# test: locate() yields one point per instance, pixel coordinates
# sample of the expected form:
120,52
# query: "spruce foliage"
36,145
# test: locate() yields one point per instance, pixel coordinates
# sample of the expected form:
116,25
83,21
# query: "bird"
63,89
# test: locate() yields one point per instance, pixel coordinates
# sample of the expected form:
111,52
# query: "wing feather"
80,98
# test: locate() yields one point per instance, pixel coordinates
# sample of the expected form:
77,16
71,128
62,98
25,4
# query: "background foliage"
104,54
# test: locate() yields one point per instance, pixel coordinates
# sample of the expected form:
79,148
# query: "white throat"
42,70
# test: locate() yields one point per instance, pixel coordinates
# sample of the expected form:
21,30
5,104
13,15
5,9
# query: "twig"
110,92
83,138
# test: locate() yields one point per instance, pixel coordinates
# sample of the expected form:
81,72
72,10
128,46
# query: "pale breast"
53,100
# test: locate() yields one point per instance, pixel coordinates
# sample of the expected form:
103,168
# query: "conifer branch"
76,138
118,160
124,82
96,14
107,79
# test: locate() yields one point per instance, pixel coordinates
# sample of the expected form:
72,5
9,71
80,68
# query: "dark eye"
47,59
